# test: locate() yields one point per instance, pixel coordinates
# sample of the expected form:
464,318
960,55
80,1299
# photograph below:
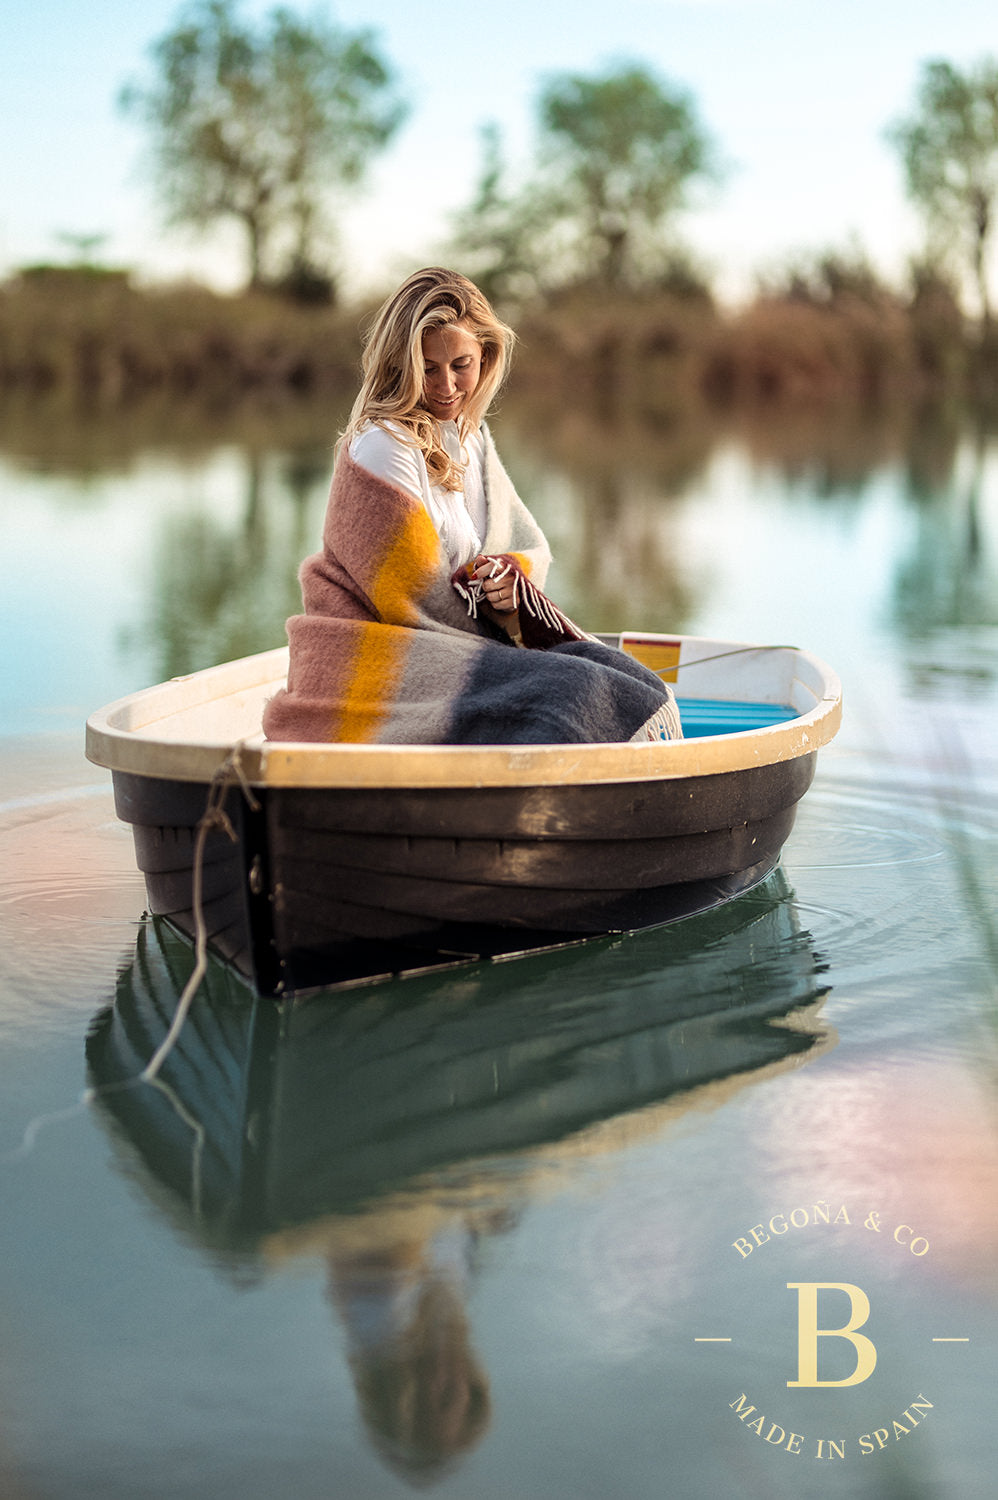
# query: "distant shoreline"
93,333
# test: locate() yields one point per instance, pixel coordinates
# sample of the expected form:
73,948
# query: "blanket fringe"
526,596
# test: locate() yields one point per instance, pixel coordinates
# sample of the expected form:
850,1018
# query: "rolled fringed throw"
541,623
393,649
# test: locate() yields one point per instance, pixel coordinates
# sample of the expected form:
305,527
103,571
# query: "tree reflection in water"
613,484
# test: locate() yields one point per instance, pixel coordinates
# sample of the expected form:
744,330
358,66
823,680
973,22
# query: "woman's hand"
498,584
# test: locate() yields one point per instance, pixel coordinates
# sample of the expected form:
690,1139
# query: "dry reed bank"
94,335
99,335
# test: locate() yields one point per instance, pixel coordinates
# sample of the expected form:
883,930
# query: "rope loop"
229,773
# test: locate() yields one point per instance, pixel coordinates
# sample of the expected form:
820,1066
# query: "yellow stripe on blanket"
377,672
377,668
407,566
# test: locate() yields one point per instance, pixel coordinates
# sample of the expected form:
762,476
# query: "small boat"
311,864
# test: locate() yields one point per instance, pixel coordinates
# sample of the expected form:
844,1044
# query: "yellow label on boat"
655,652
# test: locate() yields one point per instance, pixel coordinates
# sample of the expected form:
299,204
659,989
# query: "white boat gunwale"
149,733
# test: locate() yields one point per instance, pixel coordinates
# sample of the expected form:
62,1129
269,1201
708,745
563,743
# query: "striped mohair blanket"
392,648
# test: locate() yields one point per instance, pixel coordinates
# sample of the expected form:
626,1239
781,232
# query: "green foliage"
256,126
618,154
623,148
84,246
498,238
949,151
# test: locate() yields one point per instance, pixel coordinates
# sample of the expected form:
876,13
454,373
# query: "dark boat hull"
321,884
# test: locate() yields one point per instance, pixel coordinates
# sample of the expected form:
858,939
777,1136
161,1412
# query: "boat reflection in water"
391,1128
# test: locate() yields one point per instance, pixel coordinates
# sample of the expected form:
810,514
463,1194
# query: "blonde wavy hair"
394,371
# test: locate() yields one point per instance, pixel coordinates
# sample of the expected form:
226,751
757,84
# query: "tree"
84,247
949,150
623,149
256,126
499,236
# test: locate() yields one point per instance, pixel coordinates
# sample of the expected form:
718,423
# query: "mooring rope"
213,817
699,661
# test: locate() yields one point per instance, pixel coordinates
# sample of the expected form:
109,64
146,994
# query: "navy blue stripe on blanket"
579,692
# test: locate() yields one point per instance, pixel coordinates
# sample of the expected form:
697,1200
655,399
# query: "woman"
424,618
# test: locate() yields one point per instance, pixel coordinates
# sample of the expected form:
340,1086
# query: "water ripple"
898,884
859,846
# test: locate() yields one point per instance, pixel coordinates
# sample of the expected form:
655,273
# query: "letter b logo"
808,1332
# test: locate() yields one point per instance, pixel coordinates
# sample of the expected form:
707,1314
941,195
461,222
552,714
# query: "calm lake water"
583,1224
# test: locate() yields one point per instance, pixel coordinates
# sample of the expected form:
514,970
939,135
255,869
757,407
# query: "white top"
460,517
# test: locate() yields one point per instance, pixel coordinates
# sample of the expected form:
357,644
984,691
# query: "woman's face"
453,360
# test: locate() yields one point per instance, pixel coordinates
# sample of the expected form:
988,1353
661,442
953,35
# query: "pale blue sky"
796,93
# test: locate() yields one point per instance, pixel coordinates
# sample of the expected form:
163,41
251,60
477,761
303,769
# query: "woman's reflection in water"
421,1388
